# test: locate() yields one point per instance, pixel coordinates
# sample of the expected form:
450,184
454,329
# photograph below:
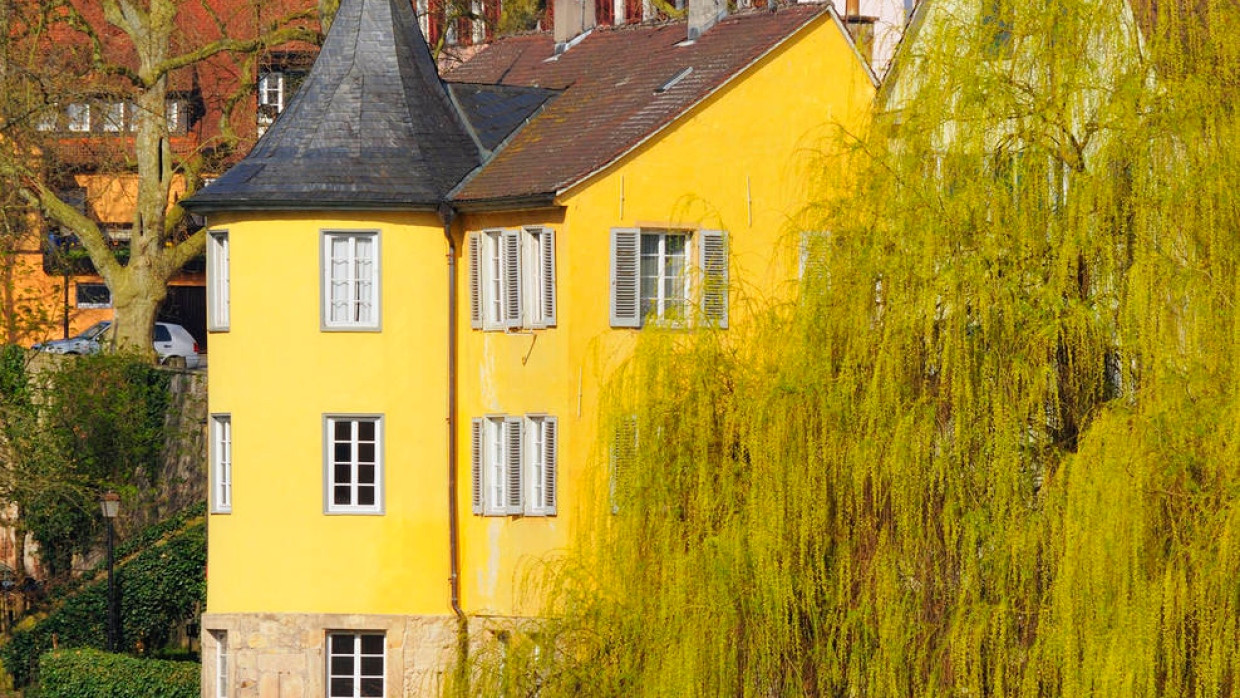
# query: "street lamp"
110,503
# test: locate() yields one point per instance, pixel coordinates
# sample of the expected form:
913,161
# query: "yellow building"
416,289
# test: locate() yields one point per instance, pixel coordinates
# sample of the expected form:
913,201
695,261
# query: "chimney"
571,18
703,14
860,28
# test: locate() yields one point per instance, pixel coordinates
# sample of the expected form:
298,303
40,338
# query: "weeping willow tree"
991,448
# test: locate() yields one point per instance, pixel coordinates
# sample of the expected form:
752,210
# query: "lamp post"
110,503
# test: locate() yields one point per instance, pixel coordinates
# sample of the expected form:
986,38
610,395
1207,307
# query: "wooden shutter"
626,277
475,464
713,261
510,264
546,276
474,242
549,455
623,457
513,464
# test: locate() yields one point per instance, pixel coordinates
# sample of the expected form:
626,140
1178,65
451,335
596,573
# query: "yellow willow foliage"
991,449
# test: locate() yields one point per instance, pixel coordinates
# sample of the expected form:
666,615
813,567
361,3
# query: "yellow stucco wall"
738,162
277,374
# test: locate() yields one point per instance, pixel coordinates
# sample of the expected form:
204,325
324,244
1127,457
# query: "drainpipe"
447,215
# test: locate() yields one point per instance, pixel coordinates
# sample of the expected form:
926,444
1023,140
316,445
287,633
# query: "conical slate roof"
372,127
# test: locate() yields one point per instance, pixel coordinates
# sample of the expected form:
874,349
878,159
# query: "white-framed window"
271,90
93,295
350,280
175,116
221,463
664,277
423,8
652,278
131,108
514,465
356,665
221,663
540,465
478,24
353,458
77,117
270,99
48,119
512,278
113,117
218,272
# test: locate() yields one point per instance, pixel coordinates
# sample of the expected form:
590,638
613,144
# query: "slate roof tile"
373,127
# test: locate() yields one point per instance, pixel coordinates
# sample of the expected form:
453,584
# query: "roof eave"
284,206
523,202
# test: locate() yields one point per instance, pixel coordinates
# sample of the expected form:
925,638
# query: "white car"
174,344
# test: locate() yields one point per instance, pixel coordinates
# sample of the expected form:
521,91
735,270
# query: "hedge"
159,587
88,673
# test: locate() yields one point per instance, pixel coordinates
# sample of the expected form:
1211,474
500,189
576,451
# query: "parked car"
174,344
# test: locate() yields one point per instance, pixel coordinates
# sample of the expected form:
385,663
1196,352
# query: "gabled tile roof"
373,127
614,95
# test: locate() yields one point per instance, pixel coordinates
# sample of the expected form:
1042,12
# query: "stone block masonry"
282,655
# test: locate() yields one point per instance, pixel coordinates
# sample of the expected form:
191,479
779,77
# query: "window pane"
342,472
372,644
342,495
343,452
366,474
372,666
342,665
366,453
342,688
343,430
372,688
366,430
365,496
341,644
162,334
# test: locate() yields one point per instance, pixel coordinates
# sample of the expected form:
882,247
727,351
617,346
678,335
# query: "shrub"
161,586
88,673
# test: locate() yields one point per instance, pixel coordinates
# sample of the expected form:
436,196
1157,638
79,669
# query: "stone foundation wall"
284,655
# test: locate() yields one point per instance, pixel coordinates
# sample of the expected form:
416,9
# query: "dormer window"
271,95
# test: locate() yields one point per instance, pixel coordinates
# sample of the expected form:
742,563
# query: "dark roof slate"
373,127
495,111
611,99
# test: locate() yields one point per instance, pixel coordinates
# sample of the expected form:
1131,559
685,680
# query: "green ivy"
85,673
160,587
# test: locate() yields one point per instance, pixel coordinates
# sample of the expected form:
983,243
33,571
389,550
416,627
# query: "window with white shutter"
625,274
651,279
514,465
713,262
622,457
477,432
512,278
221,463
510,275
540,470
